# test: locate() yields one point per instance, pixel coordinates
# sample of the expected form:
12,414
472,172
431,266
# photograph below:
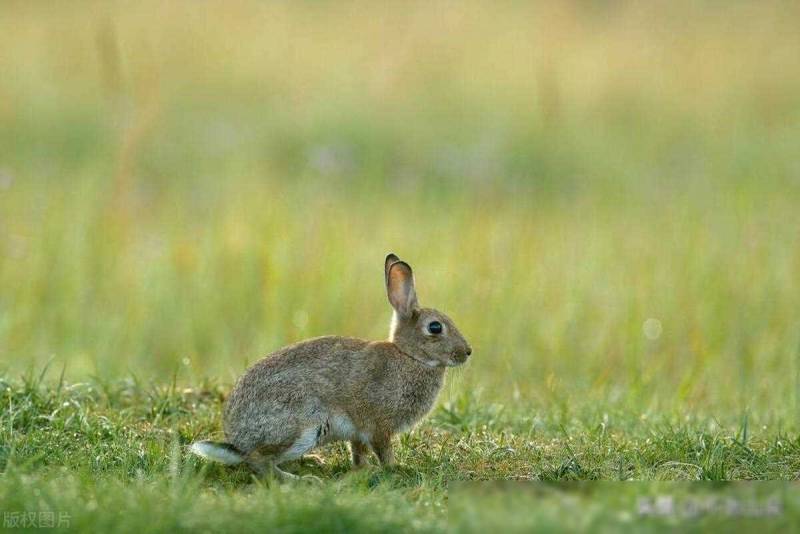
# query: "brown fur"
332,388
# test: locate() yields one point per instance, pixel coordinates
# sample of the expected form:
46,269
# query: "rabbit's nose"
469,351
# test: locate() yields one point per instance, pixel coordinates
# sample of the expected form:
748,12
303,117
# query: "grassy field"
603,196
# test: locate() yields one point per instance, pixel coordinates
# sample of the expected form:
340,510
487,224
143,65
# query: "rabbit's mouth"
454,361
459,358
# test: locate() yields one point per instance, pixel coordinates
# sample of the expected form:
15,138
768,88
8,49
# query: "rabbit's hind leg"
305,442
262,458
268,456
308,439
263,467
260,461
283,475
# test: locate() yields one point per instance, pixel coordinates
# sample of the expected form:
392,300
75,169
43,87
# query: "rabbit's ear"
390,259
400,288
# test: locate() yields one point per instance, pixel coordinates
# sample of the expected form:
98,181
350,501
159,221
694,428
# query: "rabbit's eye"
435,327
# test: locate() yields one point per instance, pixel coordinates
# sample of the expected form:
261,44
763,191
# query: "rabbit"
334,388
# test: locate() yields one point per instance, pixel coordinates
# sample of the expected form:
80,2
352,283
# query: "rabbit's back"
295,386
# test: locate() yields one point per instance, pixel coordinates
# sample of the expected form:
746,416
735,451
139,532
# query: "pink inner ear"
401,288
390,259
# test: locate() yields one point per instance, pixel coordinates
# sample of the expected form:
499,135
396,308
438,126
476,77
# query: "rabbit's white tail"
216,451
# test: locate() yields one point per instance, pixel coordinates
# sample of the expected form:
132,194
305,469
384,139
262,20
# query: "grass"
602,196
111,455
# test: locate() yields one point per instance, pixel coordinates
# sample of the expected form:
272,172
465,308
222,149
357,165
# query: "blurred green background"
603,195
